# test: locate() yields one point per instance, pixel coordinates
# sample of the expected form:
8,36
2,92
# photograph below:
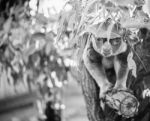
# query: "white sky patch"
48,7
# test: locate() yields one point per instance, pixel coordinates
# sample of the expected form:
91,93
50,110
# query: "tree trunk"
91,95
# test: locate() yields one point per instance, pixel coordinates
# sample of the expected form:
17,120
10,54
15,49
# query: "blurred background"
38,77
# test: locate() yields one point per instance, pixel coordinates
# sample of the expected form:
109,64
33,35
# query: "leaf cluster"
28,53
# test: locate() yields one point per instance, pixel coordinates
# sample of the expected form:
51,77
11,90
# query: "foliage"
29,56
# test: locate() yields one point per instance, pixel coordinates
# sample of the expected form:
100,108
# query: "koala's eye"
101,39
115,41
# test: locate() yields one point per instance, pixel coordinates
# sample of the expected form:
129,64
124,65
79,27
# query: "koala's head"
108,40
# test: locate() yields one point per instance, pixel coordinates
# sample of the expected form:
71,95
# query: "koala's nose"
107,49
107,46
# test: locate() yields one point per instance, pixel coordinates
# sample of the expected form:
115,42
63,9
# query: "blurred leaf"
48,48
7,25
41,18
18,36
6,88
28,51
146,7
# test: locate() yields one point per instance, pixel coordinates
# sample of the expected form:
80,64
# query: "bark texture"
91,95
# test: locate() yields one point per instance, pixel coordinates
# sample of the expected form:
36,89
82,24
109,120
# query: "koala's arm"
122,70
92,62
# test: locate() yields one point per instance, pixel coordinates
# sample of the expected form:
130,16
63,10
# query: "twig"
136,54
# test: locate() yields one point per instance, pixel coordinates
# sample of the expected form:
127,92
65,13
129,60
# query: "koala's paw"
120,87
104,89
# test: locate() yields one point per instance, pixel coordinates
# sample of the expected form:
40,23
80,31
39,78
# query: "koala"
102,53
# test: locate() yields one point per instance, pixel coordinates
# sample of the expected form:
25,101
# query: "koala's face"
107,48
